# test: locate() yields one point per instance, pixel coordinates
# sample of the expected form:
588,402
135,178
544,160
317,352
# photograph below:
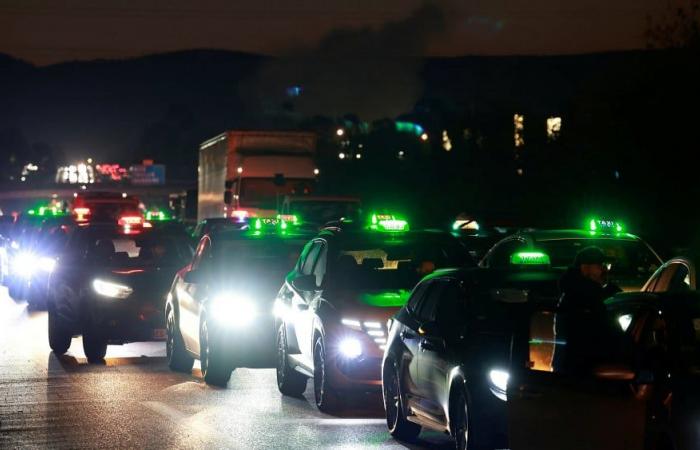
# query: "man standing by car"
580,326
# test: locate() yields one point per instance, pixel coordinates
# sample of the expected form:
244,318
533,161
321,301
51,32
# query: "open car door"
555,407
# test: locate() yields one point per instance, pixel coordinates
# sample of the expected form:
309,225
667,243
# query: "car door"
426,314
304,306
549,409
408,334
675,275
190,296
436,347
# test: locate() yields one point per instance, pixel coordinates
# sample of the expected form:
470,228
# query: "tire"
399,427
94,345
460,423
178,358
289,381
214,369
326,398
60,335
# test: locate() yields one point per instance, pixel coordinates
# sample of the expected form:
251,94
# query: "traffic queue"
471,341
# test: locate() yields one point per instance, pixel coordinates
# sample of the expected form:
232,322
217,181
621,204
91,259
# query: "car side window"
680,280
307,267
416,296
663,284
202,250
499,257
427,310
452,308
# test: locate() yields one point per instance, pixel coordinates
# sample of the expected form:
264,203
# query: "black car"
220,306
448,354
110,287
637,390
334,305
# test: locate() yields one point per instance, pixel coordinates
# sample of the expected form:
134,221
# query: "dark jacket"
581,326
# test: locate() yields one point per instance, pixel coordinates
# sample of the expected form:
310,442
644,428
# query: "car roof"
507,274
656,300
240,235
552,235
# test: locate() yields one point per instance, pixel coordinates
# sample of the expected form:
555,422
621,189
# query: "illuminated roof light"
341,155
604,225
258,224
316,171
240,214
424,137
31,212
530,258
239,169
466,224
339,132
387,222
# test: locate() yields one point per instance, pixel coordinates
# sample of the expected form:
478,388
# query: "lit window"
553,128
519,123
446,143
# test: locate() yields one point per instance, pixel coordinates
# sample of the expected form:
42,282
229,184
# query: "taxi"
333,307
448,352
633,261
220,306
637,391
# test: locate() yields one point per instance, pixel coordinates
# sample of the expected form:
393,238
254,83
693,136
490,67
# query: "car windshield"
114,250
268,254
628,258
393,263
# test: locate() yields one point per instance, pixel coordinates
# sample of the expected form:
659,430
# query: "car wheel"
289,381
94,345
399,427
59,334
459,422
326,398
214,369
178,358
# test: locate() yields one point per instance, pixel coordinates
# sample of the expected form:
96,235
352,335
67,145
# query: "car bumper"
252,345
128,320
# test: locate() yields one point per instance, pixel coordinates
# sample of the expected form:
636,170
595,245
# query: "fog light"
350,348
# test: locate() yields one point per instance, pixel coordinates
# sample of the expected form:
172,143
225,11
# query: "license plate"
159,333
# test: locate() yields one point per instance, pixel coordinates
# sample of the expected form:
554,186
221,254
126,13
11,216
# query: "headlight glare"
25,264
499,383
351,348
233,309
47,264
109,289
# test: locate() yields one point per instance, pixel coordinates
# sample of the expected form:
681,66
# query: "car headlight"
233,309
24,264
112,290
47,264
350,348
498,382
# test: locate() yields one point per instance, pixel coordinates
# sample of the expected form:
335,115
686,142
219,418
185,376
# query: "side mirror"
305,283
194,277
430,329
621,372
228,197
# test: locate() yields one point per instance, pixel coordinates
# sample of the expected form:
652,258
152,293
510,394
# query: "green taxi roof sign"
530,259
605,226
388,223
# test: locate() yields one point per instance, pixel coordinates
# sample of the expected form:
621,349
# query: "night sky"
44,32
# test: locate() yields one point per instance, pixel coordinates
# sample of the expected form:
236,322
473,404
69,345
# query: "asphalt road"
134,401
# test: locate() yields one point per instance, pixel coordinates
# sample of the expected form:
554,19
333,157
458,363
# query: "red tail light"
81,214
130,221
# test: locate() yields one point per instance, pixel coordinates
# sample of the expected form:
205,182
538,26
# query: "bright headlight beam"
47,264
233,310
351,348
112,290
499,383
